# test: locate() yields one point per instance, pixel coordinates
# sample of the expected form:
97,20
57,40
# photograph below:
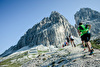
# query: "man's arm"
79,32
89,27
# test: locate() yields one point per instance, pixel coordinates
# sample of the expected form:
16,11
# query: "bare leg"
71,44
74,44
89,45
83,43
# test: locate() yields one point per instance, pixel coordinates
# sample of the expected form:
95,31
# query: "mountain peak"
57,17
84,9
55,13
86,14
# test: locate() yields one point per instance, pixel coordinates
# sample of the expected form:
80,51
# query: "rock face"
50,31
89,16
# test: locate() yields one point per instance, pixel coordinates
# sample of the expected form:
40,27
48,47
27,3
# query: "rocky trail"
66,57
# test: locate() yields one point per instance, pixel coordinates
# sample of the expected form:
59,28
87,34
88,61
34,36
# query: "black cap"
80,23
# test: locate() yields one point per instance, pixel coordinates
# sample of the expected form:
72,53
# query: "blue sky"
17,16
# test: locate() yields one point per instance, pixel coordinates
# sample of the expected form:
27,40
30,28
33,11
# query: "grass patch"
8,62
34,54
60,49
5,62
40,52
95,43
20,55
79,44
16,64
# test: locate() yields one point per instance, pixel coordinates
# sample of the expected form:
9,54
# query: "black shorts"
72,39
86,37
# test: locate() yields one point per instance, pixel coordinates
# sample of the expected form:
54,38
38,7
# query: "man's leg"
74,43
83,43
89,45
71,43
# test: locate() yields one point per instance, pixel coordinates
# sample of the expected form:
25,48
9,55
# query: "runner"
85,36
71,38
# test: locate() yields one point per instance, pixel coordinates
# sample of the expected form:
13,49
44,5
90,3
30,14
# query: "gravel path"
68,57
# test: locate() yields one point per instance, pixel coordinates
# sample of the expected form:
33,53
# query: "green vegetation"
79,44
5,62
22,55
44,59
40,52
95,43
15,64
84,55
60,49
62,65
69,53
8,63
33,54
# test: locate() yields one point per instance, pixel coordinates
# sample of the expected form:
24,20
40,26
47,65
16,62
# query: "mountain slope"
42,56
50,31
66,57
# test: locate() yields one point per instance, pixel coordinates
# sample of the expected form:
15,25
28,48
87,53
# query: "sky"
17,16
